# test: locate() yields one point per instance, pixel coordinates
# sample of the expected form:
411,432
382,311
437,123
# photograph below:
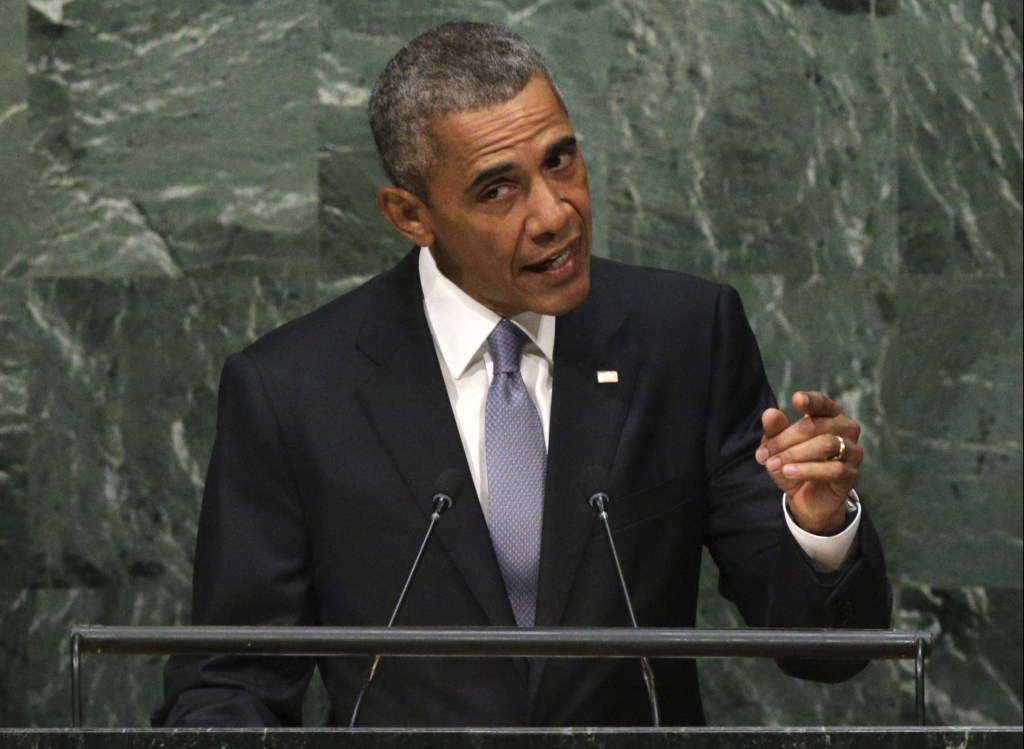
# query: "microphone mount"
593,479
447,488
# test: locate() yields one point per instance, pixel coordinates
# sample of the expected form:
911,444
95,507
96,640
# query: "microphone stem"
372,671
618,568
645,665
415,566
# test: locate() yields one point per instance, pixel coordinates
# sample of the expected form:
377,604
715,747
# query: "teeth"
559,259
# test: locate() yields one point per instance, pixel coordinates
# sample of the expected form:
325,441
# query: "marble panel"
952,403
15,501
122,404
14,134
15,435
15,626
754,692
170,141
124,400
117,691
975,669
960,167
973,673
753,138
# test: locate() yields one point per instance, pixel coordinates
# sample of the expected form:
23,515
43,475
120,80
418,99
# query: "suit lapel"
586,420
407,403
587,417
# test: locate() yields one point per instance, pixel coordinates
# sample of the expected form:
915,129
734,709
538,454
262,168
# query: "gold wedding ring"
842,449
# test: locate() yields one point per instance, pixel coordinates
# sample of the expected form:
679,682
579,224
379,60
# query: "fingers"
814,461
811,403
833,473
823,448
774,423
822,416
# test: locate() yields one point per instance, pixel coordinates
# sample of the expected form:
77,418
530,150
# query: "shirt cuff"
827,553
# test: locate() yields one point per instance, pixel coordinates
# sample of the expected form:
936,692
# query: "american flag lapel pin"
607,376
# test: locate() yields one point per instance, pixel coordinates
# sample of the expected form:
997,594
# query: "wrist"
828,525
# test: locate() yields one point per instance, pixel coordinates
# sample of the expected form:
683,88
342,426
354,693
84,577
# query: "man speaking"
500,348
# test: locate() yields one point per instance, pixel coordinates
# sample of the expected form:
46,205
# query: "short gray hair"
455,67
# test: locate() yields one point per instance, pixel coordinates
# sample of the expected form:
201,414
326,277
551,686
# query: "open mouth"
554,262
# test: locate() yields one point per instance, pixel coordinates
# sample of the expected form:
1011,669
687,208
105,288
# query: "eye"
495,192
559,160
562,155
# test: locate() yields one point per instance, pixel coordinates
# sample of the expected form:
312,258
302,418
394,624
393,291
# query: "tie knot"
506,342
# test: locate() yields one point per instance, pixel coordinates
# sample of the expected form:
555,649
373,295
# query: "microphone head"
594,484
447,488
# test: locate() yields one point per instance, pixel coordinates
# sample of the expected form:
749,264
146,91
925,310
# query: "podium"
507,642
626,738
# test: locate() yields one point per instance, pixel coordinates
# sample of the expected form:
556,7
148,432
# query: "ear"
407,213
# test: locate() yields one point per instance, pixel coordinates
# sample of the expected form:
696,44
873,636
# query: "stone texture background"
177,178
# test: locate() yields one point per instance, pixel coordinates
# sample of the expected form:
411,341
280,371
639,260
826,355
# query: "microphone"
447,488
593,483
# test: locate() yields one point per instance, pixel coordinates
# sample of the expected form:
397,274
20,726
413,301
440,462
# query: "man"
502,349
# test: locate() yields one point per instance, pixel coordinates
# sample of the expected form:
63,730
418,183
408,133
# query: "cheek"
489,251
502,251
581,200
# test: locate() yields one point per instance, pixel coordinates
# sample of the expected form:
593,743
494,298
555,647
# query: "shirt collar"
460,324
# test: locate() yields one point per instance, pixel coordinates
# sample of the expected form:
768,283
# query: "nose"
548,213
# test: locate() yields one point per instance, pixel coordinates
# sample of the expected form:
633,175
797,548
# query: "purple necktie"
516,467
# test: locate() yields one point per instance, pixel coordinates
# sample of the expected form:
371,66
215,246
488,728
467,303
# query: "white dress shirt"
460,325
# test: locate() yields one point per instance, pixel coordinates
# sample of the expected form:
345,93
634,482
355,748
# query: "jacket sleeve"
252,567
761,567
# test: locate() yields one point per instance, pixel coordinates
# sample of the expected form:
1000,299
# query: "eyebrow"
488,174
560,146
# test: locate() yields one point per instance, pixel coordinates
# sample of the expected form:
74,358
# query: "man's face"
509,205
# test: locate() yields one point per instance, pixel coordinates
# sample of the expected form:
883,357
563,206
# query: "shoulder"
679,315
337,320
334,329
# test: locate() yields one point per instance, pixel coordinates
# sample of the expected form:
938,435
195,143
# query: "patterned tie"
516,467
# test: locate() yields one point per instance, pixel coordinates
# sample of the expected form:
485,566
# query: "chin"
566,301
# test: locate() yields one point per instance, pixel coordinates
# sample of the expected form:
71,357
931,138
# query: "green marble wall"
177,178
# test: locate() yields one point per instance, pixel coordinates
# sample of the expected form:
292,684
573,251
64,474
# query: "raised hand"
815,460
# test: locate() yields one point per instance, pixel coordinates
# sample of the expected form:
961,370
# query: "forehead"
511,131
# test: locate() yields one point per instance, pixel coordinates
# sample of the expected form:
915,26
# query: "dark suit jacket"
332,430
